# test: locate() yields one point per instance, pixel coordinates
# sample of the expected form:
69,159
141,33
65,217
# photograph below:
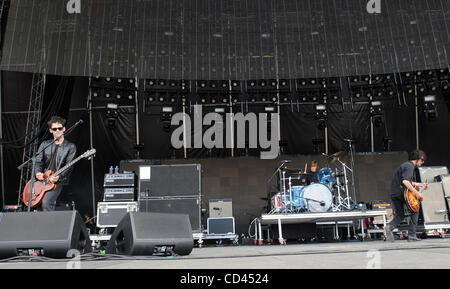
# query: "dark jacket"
66,153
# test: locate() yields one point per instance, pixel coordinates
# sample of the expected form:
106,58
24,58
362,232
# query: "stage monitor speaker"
49,234
144,234
433,205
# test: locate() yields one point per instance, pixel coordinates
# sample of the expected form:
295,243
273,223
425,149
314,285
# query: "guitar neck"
61,170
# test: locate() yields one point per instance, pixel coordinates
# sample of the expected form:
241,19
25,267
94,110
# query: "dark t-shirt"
312,177
404,172
53,166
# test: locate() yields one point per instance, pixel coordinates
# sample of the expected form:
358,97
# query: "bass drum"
317,198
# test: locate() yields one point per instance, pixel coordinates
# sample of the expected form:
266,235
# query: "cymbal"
334,157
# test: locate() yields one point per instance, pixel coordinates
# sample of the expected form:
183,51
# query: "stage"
334,218
428,253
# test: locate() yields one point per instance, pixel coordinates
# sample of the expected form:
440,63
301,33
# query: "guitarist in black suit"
54,157
404,178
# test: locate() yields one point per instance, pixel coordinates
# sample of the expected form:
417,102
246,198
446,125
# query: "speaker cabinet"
188,206
149,233
169,181
50,234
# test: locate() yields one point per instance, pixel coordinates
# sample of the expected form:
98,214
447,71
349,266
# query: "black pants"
49,201
399,215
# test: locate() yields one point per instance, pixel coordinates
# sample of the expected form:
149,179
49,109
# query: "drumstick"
306,167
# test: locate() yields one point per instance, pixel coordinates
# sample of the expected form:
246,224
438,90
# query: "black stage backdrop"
226,39
67,96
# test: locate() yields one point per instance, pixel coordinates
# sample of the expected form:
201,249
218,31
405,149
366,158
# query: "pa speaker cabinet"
434,208
428,174
169,181
147,233
188,206
221,226
220,208
49,234
445,180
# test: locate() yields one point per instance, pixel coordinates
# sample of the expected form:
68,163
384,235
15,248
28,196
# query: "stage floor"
428,253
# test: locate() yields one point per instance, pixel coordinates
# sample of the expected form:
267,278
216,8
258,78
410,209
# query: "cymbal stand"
352,163
336,207
346,201
291,204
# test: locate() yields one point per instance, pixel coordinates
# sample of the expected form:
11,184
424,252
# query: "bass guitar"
42,187
412,203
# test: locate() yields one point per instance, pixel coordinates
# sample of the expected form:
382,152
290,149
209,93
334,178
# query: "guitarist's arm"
411,186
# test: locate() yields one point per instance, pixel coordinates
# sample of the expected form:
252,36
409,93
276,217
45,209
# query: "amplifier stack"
118,198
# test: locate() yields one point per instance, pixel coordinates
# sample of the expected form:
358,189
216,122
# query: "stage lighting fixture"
96,92
445,85
111,115
166,118
387,141
302,82
377,120
430,107
219,110
376,108
321,111
269,109
283,83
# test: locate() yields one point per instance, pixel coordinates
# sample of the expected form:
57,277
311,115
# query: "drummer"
312,173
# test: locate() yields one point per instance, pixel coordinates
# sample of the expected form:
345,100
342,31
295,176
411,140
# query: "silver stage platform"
318,218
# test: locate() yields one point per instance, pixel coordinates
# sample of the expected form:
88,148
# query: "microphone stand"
33,159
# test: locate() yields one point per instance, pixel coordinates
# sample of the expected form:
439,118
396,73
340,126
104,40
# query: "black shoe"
389,235
414,239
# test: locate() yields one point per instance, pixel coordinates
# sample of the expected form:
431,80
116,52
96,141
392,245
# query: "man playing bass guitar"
404,178
57,155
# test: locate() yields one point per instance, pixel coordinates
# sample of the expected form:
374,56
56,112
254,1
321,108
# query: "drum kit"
322,191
